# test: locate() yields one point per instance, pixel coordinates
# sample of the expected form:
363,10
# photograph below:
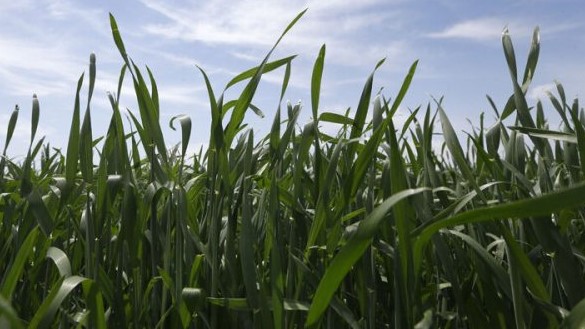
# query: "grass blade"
350,253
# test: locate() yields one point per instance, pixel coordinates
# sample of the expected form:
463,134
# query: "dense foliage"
370,228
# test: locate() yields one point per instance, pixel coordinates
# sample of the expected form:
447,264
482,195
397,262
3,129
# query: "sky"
45,47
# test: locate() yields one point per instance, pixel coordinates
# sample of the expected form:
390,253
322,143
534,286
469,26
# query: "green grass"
369,228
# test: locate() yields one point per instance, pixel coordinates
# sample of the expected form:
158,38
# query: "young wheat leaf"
350,253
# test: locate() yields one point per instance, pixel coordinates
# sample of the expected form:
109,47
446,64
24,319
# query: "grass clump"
371,227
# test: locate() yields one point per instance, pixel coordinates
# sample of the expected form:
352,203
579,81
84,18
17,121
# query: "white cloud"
218,22
67,10
481,29
540,92
343,25
182,95
43,53
43,68
6,5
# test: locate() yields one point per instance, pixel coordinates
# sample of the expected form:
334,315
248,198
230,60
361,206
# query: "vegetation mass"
371,227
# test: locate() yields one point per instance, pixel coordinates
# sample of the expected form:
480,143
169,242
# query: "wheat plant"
372,227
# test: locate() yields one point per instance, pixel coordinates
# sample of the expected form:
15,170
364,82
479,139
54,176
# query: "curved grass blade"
362,111
519,91
335,118
8,315
457,152
268,67
532,59
520,262
576,319
547,134
43,318
247,94
540,205
40,212
118,39
61,261
350,253
185,122
403,88
497,271
11,278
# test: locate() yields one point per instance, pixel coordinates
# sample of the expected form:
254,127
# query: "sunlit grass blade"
547,134
86,138
10,132
185,122
316,80
61,261
403,89
247,94
73,143
34,118
362,111
268,67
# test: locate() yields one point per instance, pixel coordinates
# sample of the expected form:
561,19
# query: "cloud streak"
343,25
482,29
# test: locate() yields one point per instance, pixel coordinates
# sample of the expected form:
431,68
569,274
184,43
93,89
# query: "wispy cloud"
42,54
540,92
342,24
68,11
481,29
15,5
491,28
182,95
43,68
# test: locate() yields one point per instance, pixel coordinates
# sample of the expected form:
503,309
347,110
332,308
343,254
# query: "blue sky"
45,46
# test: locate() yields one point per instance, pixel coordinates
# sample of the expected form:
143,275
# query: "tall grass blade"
13,275
350,253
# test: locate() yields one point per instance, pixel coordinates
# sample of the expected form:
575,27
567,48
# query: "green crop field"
371,227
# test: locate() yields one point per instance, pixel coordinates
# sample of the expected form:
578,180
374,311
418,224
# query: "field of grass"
370,228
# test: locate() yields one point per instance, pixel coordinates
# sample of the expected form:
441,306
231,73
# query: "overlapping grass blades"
373,227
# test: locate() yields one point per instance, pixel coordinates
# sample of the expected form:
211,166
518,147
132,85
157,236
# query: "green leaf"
547,134
350,253
576,319
541,205
10,279
40,212
7,313
316,80
34,118
11,126
118,39
44,316
335,118
61,261
185,122
268,67
73,143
